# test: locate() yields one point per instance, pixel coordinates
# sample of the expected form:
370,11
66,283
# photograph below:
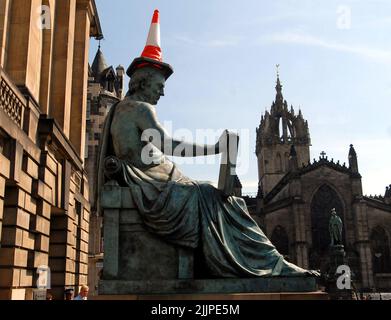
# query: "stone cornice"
90,7
96,28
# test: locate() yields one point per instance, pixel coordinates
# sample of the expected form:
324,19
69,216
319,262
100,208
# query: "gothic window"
285,128
280,128
323,201
280,240
380,251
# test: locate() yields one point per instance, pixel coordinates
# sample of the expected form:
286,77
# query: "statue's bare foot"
292,270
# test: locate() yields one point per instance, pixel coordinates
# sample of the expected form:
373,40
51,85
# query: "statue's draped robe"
190,214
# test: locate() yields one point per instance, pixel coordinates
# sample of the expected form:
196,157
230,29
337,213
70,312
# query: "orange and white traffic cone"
152,54
152,49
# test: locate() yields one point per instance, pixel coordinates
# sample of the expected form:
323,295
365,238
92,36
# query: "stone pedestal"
218,297
131,253
137,262
337,259
209,286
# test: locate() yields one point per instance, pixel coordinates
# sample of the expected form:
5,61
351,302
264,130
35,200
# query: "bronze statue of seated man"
174,207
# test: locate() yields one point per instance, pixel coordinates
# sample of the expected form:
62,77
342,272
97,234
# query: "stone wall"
44,192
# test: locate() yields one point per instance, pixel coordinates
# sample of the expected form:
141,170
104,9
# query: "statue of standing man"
335,228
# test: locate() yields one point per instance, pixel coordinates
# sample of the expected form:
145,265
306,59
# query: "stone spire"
99,65
279,96
387,196
353,163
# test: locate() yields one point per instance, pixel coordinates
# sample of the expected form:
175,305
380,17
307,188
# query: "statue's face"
154,88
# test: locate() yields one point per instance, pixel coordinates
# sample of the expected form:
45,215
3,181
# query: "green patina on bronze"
335,228
179,210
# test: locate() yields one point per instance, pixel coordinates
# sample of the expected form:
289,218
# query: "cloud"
379,55
212,43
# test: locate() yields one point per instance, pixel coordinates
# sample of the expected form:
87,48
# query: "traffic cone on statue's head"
152,54
152,49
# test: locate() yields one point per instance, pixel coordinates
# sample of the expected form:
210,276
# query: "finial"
279,98
99,44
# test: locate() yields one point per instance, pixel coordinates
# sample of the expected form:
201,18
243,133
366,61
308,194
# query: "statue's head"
148,73
148,84
333,212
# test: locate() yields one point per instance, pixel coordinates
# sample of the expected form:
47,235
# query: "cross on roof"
323,154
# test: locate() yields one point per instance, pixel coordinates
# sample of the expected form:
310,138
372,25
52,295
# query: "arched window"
380,251
323,201
280,240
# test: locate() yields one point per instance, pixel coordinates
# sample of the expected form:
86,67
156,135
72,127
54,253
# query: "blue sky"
335,59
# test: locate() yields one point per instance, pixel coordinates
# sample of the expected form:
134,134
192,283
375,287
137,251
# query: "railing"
12,101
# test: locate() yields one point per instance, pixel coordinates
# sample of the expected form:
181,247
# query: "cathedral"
296,196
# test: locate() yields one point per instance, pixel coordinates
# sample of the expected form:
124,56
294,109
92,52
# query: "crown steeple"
282,125
283,141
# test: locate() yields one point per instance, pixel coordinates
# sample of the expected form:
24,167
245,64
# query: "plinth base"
209,286
320,296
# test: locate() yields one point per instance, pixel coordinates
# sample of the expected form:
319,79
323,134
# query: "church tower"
280,129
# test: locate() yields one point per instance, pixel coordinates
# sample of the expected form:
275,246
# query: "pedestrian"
83,293
68,294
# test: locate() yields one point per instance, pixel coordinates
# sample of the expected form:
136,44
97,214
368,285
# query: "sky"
335,65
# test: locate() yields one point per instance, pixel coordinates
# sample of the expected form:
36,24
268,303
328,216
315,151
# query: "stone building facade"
105,88
296,196
44,192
